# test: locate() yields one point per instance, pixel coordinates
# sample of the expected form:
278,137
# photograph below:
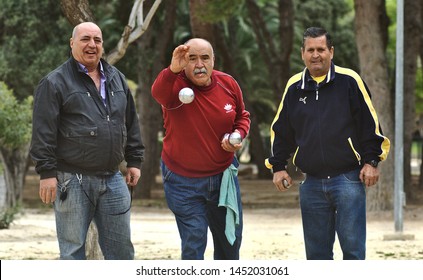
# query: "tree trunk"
421,117
151,124
277,60
15,165
276,54
152,48
412,31
92,248
371,25
200,28
76,11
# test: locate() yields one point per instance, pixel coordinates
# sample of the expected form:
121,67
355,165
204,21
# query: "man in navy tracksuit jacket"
327,123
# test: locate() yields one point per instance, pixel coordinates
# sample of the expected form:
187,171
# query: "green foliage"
218,10
8,216
337,17
15,119
34,37
391,10
419,90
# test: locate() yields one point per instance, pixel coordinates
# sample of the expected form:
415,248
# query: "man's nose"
199,62
92,43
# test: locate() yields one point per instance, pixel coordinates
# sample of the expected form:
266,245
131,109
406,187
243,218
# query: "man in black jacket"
84,125
327,123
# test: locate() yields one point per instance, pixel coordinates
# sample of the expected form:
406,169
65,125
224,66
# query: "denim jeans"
334,205
194,202
104,199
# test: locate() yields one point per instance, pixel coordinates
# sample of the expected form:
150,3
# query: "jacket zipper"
108,115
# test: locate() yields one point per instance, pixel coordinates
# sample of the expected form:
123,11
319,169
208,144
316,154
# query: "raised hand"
180,58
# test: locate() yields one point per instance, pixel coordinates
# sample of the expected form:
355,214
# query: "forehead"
315,42
200,48
88,30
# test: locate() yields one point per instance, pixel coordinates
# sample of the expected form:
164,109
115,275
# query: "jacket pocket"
294,158
357,154
80,146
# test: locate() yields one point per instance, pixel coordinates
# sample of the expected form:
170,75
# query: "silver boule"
186,95
235,138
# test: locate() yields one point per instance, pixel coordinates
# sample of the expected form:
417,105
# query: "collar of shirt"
102,80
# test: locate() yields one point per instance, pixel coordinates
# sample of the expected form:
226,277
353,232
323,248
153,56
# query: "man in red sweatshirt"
196,154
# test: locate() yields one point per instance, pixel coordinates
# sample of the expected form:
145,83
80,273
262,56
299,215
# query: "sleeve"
242,120
162,89
44,129
282,140
375,146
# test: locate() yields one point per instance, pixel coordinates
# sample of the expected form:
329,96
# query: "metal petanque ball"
235,138
186,95
285,183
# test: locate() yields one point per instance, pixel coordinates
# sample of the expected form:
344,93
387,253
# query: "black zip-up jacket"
329,128
74,132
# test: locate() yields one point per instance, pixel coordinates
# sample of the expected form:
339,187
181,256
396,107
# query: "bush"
15,119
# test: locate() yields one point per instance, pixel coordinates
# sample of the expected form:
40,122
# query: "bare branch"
135,28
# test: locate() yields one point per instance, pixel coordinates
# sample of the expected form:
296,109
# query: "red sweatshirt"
191,146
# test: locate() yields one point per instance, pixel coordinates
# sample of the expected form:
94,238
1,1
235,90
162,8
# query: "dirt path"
274,234
272,230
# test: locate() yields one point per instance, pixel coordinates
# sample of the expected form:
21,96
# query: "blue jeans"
194,202
334,205
104,199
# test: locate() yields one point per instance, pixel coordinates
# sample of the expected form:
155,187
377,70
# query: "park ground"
272,229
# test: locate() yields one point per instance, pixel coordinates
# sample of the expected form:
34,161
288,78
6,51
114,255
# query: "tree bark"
15,165
200,28
421,116
77,11
276,55
371,25
412,31
152,48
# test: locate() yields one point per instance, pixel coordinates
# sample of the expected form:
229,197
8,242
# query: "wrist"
374,163
173,70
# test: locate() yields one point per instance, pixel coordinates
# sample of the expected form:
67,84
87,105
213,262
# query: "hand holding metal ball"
186,95
235,138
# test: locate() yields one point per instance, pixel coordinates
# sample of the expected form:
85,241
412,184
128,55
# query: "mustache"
201,70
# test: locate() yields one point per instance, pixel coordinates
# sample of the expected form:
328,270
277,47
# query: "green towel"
228,199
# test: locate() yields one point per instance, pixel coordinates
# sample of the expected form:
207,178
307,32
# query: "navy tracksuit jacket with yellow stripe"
329,128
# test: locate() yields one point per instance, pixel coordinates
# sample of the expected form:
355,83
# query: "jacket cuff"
133,163
48,174
276,168
371,157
